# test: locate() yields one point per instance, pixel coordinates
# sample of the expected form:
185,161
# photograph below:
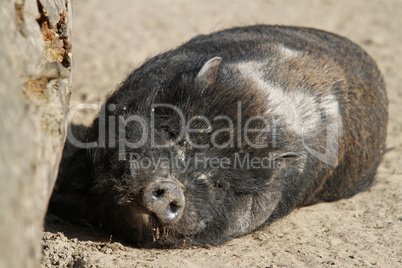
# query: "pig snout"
166,200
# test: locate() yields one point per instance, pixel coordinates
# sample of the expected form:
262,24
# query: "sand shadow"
83,231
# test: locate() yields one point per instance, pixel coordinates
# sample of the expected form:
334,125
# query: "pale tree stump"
35,83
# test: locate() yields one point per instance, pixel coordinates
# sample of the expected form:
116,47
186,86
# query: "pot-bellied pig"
227,133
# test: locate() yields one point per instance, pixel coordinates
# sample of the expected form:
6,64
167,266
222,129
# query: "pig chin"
147,230
145,227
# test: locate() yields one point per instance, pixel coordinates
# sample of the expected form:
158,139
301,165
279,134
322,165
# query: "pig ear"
207,74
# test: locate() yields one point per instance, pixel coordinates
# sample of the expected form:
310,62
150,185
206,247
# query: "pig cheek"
197,212
253,210
191,222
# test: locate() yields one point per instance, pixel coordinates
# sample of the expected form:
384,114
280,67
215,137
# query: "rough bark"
35,81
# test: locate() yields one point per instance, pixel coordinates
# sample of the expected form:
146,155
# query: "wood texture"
35,82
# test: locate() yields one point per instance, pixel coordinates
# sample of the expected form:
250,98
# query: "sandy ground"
113,37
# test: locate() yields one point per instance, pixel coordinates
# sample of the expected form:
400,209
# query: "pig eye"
219,185
222,184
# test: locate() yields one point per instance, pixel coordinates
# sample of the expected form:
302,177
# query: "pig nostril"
173,207
159,193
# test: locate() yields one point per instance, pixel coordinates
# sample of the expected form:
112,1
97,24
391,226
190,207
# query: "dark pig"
227,133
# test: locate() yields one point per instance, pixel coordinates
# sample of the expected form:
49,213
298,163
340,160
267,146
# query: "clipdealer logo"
114,130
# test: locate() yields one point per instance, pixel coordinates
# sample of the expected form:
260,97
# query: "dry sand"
113,37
